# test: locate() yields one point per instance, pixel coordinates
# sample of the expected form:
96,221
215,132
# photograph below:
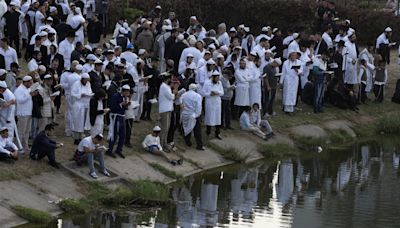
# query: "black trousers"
378,91
50,153
240,110
363,96
269,97
174,123
14,39
197,134
226,113
128,131
4,156
217,131
146,104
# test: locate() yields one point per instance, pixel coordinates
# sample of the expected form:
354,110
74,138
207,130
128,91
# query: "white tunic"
369,70
242,77
350,54
80,106
192,105
7,114
75,21
191,50
65,49
10,56
213,103
165,98
304,58
290,81
24,101
98,126
255,86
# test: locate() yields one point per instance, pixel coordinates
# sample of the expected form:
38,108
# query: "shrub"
73,206
389,124
32,215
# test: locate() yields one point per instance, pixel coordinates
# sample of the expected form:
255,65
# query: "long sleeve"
22,97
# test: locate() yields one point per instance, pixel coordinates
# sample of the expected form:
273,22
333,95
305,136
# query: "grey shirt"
228,93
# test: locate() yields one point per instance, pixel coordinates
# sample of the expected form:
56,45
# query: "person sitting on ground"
8,150
246,125
255,118
43,146
152,145
89,148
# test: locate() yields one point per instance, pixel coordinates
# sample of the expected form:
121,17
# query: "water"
356,187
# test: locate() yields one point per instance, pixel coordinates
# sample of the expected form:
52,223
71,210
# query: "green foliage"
339,136
389,124
74,206
278,150
230,153
165,171
32,215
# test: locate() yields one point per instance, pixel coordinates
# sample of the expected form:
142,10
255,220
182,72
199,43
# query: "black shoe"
55,165
128,145
76,142
201,148
108,153
180,161
173,163
120,154
218,136
189,144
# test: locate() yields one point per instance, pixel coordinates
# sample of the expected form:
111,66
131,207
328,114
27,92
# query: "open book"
57,93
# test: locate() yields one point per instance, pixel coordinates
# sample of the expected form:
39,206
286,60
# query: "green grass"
74,206
230,153
165,171
389,124
32,215
278,150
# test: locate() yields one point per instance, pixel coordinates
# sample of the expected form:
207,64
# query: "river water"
355,187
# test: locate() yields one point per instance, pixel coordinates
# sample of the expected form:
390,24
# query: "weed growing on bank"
32,215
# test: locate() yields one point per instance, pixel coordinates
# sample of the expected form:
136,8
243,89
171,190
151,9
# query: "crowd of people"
195,76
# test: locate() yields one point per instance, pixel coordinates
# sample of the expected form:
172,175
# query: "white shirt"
86,142
130,57
259,50
38,21
10,56
223,39
6,142
8,114
151,140
24,101
33,65
65,49
165,99
192,103
382,39
328,40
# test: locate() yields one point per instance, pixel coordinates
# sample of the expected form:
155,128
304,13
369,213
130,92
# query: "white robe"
80,106
192,105
74,21
213,103
7,115
304,58
65,49
290,81
242,77
255,86
98,126
369,58
350,54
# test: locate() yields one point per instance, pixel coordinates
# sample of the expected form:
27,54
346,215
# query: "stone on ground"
309,130
206,159
9,219
341,125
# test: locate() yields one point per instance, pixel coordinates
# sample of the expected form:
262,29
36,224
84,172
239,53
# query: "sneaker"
106,173
93,175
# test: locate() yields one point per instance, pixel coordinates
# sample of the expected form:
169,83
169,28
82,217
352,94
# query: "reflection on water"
358,187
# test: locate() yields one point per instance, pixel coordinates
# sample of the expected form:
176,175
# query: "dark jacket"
31,48
115,106
76,55
12,21
94,31
95,81
62,30
42,143
60,60
175,54
93,113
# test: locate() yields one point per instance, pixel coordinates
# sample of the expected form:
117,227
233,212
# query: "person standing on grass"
242,78
226,99
151,144
166,99
7,110
190,116
212,92
270,83
381,77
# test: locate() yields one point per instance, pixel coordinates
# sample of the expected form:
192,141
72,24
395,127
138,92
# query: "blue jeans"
99,156
319,90
119,133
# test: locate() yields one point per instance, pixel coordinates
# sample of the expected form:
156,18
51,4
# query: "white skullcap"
2,71
158,7
14,3
207,52
212,46
3,84
42,68
52,9
388,29
193,18
246,29
232,29
211,62
190,55
98,61
295,35
222,25
192,41
27,78
215,73
220,56
49,19
47,76
126,87
193,86
224,48
85,76
278,61
141,51
264,29
43,33
79,67
253,53
180,37
347,21
91,57
275,30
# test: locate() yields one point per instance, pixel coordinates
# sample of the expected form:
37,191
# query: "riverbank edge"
313,137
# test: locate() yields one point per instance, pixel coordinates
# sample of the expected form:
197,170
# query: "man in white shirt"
212,91
7,110
223,37
23,96
166,99
326,36
9,53
92,148
383,44
190,116
152,145
8,150
65,49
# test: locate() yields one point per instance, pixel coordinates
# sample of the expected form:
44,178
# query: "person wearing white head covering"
368,69
350,58
191,50
190,116
7,110
47,108
243,77
39,18
319,68
9,53
248,43
212,91
291,70
81,93
204,73
66,47
383,44
77,22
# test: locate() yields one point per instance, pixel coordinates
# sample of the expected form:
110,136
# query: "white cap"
388,29
193,86
215,73
85,76
180,37
275,30
157,128
43,33
98,61
158,7
278,61
193,18
190,55
224,48
295,35
27,78
42,68
253,53
2,71
126,87
211,62
232,29
265,29
52,9
246,29
347,21
49,19
141,51
3,84
207,52
47,76
79,67
212,46
220,56
14,3
192,41
191,66
91,57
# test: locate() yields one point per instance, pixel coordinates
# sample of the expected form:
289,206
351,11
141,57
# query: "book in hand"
278,74
57,93
102,148
329,72
153,101
295,67
2,101
180,92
